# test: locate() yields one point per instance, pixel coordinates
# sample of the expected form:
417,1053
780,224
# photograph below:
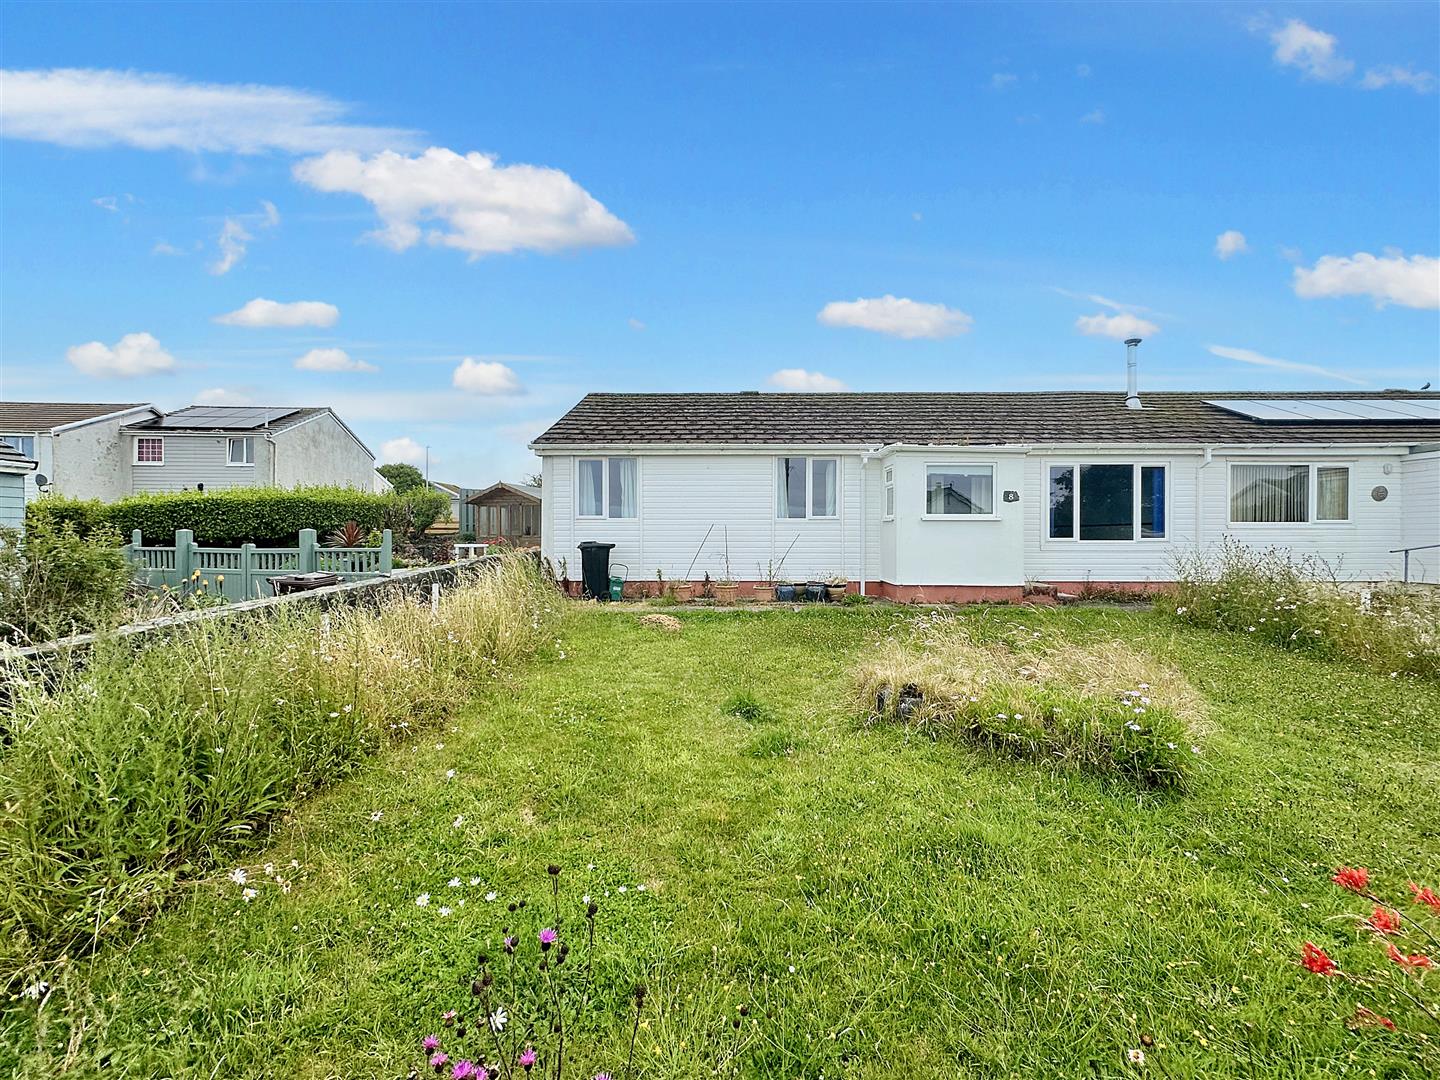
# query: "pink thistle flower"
438,1060
463,1070
547,938
528,1058
431,1042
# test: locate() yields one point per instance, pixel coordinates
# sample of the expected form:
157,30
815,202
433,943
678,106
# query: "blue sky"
708,198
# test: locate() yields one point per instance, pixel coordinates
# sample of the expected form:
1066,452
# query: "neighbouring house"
212,447
15,467
452,524
508,512
975,496
76,447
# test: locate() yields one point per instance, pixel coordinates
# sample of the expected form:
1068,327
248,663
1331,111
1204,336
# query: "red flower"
1365,1018
1425,896
1313,958
1354,878
1414,960
1383,921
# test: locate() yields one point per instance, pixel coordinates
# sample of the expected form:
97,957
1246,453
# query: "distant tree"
533,480
402,478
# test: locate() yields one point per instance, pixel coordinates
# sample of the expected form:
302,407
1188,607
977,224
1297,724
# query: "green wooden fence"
244,573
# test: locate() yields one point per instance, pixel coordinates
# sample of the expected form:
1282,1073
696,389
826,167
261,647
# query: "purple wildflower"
528,1058
547,938
510,943
438,1060
431,1042
464,1070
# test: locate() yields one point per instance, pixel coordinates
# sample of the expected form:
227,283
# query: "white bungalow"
960,496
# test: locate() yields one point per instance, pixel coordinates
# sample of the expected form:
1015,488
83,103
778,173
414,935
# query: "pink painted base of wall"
919,594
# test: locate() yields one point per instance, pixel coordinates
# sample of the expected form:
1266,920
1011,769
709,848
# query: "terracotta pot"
764,592
726,594
683,591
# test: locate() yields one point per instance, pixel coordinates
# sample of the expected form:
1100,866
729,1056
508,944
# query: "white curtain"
624,480
790,488
1273,493
1332,493
590,479
823,487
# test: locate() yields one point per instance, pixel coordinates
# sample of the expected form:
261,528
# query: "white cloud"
1120,326
804,381
635,324
107,202
1002,80
482,208
332,360
1390,279
1094,116
1230,243
1249,356
1312,51
163,248
897,317
1082,70
88,108
133,355
402,451
261,312
486,377
221,395
234,240
1377,78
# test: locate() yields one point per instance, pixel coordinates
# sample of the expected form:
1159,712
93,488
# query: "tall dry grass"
141,768
1102,708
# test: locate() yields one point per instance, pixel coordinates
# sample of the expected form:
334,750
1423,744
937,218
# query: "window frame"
605,514
17,436
248,442
809,486
135,452
993,466
1137,498
1312,493
887,493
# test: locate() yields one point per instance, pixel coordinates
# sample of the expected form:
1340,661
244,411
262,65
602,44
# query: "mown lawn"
884,905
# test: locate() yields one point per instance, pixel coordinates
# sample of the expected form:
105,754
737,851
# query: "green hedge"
246,515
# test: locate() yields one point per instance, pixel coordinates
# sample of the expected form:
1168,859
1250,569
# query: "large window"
960,490
149,450
1107,502
1264,493
607,487
806,487
24,443
241,450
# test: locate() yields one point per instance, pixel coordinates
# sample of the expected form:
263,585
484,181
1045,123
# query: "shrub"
54,581
1104,709
247,515
140,769
1296,603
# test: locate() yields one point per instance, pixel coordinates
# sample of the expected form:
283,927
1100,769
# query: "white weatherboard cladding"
12,500
191,460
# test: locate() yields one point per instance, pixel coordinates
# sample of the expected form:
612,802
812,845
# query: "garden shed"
14,466
509,513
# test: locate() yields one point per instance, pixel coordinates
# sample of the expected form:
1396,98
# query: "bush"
55,582
143,768
1102,709
1296,603
402,477
267,516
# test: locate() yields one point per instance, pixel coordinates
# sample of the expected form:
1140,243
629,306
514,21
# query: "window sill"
148,464
960,517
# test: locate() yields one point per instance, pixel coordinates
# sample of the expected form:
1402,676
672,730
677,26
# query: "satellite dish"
41,480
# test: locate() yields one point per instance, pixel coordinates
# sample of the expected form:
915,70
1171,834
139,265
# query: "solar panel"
1334,410
221,416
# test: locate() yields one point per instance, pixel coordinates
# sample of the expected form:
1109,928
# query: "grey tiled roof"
23,416
958,418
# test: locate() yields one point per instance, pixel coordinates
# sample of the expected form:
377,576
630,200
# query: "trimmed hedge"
245,515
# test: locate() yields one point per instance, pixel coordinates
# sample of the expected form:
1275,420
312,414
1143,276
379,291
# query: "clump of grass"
1297,603
1104,708
749,708
772,743
146,765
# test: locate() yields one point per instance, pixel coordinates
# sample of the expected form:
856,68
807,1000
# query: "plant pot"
684,590
815,591
764,592
837,591
726,594
785,593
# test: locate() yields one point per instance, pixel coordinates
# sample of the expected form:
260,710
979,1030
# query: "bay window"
607,487
806,487
959,491
1265,493
1105,501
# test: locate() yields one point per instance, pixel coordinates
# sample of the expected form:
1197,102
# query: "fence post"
247,560
385,546
307,551
184,554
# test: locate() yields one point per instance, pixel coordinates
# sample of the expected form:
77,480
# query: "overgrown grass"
889,905
1102,707
1295,602
138,770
